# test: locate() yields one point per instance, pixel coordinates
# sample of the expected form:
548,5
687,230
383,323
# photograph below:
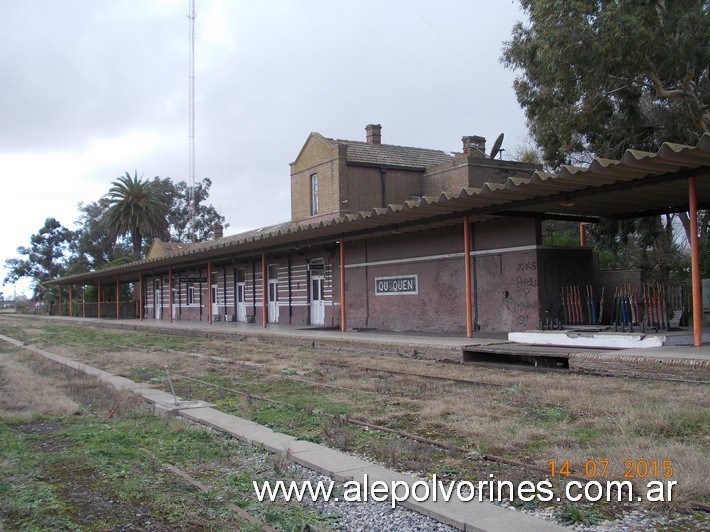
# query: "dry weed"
24,393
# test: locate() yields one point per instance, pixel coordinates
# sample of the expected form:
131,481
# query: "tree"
597,78
45,258
92,247
206,216
137,207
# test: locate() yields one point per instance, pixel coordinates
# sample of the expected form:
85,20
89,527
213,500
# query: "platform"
606,338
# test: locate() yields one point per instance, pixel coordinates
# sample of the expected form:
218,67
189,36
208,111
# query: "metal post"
170,383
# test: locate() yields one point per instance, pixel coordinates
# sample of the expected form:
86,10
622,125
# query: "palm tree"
136,207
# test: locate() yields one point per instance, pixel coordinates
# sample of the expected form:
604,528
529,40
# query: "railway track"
361,366
419,439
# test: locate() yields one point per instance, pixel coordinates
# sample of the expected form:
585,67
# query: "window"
273,272
314,194
190,295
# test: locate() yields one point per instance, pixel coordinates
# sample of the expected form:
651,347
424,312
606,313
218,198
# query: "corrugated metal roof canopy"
640,184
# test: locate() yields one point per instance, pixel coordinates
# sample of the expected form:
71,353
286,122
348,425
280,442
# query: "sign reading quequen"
396,286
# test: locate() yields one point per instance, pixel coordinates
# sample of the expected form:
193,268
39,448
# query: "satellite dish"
496,146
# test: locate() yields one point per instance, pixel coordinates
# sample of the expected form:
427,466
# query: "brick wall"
438,305
471,172
317,157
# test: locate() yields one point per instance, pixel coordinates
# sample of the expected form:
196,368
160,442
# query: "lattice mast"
191,119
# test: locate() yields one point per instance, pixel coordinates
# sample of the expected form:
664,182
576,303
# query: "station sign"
397,285
192,279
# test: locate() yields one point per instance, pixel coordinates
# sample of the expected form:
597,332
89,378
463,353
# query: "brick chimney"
374,133
474,146
218,230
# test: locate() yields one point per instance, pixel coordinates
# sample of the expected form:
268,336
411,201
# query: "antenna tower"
191,104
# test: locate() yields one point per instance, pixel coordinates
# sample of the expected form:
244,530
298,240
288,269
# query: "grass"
573,515
79,470
529,417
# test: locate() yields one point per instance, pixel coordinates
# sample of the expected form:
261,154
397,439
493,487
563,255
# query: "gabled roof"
159,249
391,155
640,184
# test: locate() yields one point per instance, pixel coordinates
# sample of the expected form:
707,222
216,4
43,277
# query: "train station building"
408,239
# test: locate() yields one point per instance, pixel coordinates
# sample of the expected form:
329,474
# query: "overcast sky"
93,89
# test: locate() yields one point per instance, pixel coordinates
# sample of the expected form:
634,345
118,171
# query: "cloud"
95,89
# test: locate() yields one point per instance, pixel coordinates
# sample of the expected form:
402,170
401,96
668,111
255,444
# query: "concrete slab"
471,515
669,353
154,396
605,339
329,462
240,428
465,515
170,409
587,339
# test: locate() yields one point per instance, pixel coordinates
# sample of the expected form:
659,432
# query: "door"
215,300
317,299
241,302
241,295
273,293
157,300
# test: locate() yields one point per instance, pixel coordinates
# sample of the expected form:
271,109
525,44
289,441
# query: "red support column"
343,314
695,265
70,302
582,234
83,301
140,296
60,300
98,300
170,293
264,287
467,269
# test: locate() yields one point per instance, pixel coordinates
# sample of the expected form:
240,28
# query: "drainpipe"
264,296
695,265
343,323
467,268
